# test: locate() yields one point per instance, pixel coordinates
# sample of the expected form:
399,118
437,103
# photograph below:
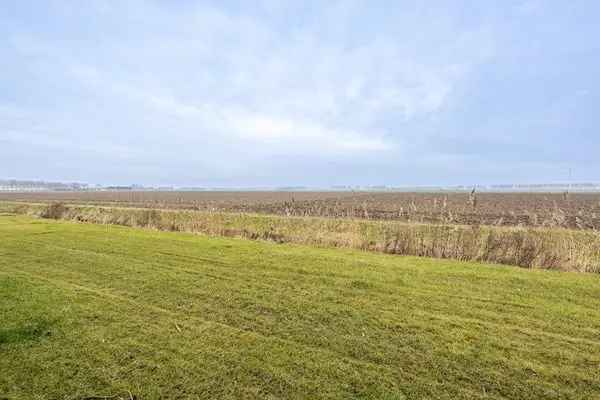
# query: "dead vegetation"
548,248
55,210
579,211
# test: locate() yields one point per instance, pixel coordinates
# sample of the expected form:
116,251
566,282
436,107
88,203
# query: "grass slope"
103,310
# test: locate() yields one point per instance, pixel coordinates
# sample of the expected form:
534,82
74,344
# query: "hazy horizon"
558,185
355,93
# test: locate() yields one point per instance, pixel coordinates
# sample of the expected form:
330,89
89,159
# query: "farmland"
574,211
102,310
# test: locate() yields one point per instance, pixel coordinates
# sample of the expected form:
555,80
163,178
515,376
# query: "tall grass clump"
54,210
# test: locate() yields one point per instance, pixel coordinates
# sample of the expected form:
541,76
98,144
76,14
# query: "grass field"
100,310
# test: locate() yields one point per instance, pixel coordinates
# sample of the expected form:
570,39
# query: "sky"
314,93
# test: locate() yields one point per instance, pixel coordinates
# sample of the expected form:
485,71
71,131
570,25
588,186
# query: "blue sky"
268,93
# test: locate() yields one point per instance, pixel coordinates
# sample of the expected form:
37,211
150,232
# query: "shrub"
148,218
54,211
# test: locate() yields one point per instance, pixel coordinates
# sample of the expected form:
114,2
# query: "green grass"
104,310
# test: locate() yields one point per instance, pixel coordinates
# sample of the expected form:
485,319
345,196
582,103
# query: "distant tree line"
16,184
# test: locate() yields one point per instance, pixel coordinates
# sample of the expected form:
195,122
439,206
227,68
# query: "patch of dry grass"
550,248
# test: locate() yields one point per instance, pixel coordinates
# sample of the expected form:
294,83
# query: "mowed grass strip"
103,310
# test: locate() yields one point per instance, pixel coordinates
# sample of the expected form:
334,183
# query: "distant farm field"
574,211
91,310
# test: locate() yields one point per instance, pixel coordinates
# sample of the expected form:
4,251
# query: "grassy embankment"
550,248
108,310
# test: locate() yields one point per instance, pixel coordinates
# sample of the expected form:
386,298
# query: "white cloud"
236,73
290,133
239,85
293,134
